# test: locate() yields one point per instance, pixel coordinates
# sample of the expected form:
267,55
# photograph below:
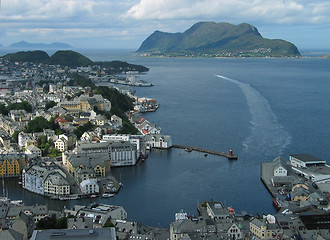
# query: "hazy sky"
126,23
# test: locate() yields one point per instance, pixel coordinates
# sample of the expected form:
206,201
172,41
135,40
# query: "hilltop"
217,39
72,59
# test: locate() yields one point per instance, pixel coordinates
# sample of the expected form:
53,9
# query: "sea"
260,108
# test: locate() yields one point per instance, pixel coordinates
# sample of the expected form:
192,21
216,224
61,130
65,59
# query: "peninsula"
210,39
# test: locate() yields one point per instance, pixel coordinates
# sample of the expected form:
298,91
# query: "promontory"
210,39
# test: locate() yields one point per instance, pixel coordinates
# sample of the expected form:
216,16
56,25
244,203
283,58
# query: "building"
89,186
45,180
263,230
216,210
122,154
11,165
31,149
100,213
305,160
159,141
56,184
81,234
24,224
280,167
61,144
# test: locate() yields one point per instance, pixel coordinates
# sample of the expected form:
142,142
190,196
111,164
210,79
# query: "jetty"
229,155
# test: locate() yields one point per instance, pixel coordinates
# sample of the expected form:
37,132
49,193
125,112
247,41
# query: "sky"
125,24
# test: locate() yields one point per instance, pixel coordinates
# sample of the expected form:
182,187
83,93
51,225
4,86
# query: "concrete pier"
190,148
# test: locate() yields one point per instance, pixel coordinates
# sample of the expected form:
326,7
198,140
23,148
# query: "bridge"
229,155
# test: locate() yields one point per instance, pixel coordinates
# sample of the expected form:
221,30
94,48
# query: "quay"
229,155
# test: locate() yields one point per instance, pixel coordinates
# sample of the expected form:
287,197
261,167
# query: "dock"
197,149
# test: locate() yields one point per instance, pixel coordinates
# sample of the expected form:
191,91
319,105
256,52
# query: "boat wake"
268,137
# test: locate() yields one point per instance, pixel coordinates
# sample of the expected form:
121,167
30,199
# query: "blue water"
261,108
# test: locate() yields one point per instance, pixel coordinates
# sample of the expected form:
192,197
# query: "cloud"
272,11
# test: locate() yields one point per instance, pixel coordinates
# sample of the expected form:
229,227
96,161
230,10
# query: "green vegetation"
79,80
29,56
120,104
119,66
47,147
210,39
69,58
79,131
15,106
52,223
50,105
108,224
38,124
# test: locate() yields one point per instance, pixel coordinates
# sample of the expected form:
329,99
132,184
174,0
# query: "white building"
89,186
56,184
31,149
61,144
280,167
305,160
122,154
159,141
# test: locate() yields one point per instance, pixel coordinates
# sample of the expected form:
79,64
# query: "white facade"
122,154
89,186
159,141
61,144
56,184
279,170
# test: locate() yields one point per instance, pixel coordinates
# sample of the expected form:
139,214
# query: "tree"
50,105
37,125
20,106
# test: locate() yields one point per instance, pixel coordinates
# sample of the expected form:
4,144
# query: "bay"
261,108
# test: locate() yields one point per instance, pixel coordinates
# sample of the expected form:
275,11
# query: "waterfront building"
98,161
122,154
159,141
280,167
89,186
216,210
11,165
83,173
305,160
45,179
56,184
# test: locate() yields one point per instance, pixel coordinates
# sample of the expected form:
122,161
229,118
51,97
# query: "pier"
229,155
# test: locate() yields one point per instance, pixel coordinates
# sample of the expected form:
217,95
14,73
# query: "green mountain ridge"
71,59
212,38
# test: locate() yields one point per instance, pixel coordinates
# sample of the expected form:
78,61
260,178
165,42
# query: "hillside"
217,39
69,58
72,59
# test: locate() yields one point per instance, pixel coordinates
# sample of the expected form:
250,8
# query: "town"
61,140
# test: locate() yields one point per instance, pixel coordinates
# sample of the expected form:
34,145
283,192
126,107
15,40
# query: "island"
210,39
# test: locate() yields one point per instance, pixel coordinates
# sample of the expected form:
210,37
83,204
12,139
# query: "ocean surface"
261,108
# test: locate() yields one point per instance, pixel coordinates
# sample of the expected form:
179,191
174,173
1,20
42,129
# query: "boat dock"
229,155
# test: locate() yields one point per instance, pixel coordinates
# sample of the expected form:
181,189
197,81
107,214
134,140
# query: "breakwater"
191,148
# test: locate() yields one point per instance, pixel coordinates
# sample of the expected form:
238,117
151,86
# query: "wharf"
190,148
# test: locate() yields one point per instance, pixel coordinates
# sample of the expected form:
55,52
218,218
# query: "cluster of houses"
216,221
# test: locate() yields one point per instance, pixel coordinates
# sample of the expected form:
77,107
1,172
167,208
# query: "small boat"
188,149
107,195
205,155
94,196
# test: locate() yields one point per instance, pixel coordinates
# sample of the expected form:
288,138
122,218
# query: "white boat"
107,195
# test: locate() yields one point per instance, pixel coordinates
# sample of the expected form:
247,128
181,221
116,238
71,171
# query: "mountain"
55,45
69,58
29,56
217,39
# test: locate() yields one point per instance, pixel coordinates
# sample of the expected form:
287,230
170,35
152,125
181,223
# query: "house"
12,164
80,222
61,144
31,149
56,184
216,210
24,224
280,167
10,234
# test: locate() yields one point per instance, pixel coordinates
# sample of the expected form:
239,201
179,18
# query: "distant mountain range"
217,39
26,45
